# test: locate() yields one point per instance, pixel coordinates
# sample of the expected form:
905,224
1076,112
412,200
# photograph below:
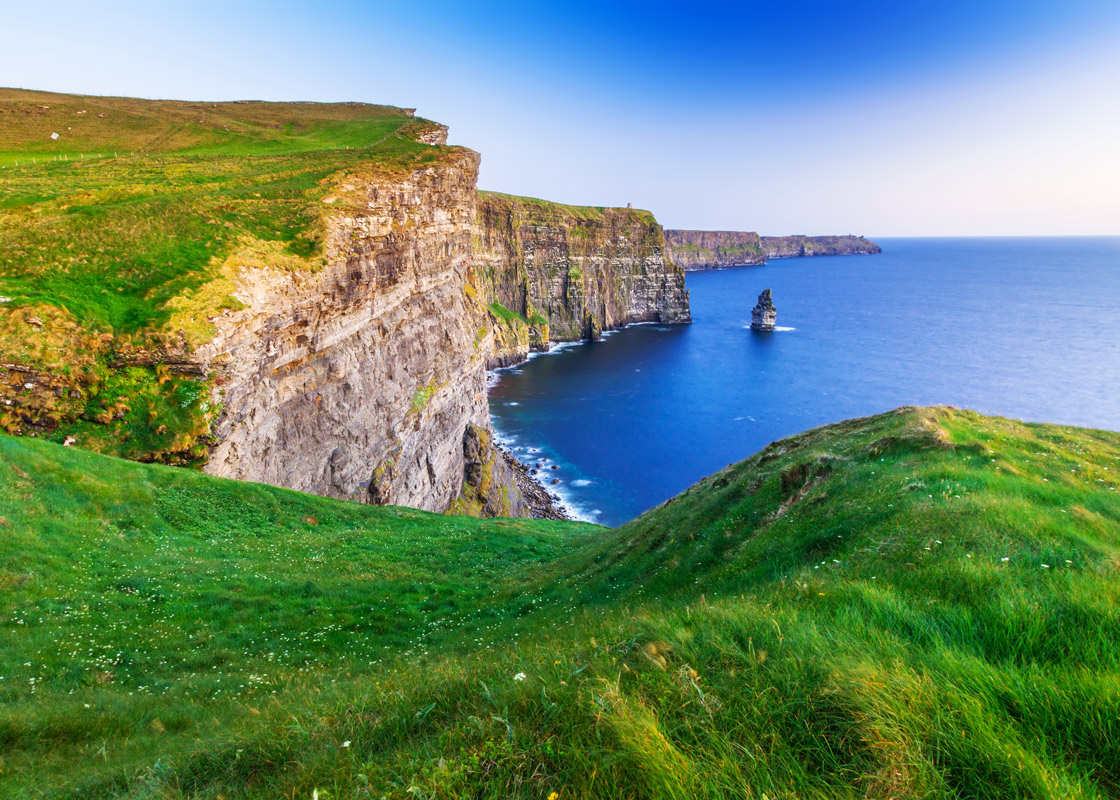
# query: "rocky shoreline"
536,498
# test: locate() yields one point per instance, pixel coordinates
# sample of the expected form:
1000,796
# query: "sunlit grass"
919,604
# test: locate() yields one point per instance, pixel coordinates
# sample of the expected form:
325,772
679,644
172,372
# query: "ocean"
1027,328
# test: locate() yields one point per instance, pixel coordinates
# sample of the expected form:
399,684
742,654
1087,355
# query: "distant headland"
694,250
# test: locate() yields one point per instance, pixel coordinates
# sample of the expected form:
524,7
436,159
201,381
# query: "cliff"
357,380
320,318
797,246
694,250
299,318
552,272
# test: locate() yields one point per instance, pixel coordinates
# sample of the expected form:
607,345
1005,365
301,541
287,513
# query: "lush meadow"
920,604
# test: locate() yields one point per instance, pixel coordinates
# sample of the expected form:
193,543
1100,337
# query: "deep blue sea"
1023,328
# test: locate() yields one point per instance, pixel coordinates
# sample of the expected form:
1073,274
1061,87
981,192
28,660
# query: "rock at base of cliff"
496,485
764,317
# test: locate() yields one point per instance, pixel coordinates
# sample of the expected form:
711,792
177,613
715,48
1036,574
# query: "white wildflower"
346,743
520,676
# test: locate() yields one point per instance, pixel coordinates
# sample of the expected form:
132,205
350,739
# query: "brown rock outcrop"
359,380
764,317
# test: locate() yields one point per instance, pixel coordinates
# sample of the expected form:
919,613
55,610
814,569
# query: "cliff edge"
556,273
317,306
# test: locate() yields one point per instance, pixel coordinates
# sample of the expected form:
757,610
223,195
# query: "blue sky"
894,117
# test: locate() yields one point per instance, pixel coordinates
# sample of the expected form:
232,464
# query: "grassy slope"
859,611
123,239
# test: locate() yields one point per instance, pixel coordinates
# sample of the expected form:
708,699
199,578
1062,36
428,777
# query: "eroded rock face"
358,381
764,316
573,273
366,380
714,249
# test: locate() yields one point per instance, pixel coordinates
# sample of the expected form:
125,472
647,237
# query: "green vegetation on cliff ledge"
120,239
920,604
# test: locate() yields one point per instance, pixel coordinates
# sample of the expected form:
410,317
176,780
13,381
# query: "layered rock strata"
366,380
764,317
694,250
358,381
551,272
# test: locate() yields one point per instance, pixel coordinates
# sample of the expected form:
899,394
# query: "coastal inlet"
654,408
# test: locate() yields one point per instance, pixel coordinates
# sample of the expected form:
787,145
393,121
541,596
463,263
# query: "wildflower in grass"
553,795
346,743
520,676
1046,566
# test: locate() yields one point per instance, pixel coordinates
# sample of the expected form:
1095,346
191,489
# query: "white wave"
582,482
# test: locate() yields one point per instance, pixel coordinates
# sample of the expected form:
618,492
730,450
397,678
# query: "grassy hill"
120,239
920,604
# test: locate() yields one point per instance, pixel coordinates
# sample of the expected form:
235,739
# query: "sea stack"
764,316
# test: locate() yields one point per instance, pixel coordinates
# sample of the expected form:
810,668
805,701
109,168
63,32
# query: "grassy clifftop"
536,210
120,240
96,126
923,603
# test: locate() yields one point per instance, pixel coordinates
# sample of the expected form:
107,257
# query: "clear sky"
884,117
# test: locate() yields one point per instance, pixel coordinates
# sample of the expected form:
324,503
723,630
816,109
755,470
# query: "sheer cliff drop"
564,273
358,381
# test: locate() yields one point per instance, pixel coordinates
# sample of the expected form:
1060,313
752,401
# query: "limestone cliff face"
359,381
694,250
709,249
562,273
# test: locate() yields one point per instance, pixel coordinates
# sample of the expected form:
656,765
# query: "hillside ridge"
919,603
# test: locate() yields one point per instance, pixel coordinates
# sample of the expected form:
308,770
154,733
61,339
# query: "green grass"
534,207
123,241
504,314
920,604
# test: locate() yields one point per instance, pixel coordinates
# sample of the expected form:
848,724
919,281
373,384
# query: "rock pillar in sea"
764,316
